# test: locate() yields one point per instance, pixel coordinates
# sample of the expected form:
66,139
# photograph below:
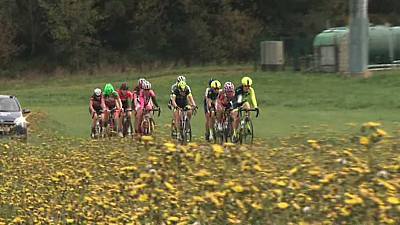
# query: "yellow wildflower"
364,140
256,205
143,198
282,205
218,150
173,219
237,188
202,173
169,186
393,200
353,199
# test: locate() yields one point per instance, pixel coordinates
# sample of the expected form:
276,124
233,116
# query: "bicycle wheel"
183,134
218,135
126,127
145,127
246,132
97,130
188,131
173,130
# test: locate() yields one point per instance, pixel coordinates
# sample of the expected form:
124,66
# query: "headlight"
20,121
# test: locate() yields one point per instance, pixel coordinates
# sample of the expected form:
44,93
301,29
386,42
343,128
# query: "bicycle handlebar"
250,110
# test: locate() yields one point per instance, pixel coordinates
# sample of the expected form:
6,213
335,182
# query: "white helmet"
140,82
229,86
97,91
180,78
146,85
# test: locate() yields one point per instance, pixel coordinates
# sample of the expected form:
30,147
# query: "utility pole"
358,40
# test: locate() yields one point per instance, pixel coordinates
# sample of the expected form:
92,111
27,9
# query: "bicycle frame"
147,124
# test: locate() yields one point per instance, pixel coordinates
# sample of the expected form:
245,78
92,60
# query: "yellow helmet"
247,81
182,85
216,84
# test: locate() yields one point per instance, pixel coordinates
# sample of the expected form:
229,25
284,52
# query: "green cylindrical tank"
329,37
396,42
380,45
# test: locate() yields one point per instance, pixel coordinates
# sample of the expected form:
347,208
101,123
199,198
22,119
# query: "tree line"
78,34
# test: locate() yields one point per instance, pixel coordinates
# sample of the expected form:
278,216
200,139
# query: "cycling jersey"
126,98
243,96
96,103
146,99
110,101
181,97
211,94
174,87
225,98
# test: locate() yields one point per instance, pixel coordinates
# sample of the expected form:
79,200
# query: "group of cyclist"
121,103
218,99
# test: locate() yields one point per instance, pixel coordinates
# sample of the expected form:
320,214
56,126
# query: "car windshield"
8,105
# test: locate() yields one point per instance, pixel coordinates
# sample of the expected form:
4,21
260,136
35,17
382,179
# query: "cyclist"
112,101
138,87
225,101
146,101
126,99
96,106
210,98
135,93
174,86
243,93
182,99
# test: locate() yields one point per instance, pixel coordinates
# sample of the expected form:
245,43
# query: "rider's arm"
91,105
118,100
173,101
253,97
103,103
191,100
129,100
153,99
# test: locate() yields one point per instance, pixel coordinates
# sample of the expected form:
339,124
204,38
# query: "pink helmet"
228,86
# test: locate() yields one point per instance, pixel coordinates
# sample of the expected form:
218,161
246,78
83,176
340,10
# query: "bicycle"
110,128
148,123
223,129
98,128
246,130
127,127
185,127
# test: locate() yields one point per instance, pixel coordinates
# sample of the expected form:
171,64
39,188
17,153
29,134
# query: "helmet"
210,81
180,78
182,85
216,84
229,86
97,92
146,85
247,81
108,89
124,86
140,82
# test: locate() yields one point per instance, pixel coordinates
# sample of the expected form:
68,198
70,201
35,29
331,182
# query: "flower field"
334,180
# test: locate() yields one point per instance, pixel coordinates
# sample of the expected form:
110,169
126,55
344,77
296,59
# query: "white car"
12,120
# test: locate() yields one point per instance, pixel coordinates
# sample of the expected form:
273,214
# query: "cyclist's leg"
117,119
246,105
139,116
176,117
106,116
236,119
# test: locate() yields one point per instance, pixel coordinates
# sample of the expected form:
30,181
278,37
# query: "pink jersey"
144,99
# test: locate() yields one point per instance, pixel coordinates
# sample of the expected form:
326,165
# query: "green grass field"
290,102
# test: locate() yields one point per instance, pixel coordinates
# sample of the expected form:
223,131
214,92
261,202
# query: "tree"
71,25
7,46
